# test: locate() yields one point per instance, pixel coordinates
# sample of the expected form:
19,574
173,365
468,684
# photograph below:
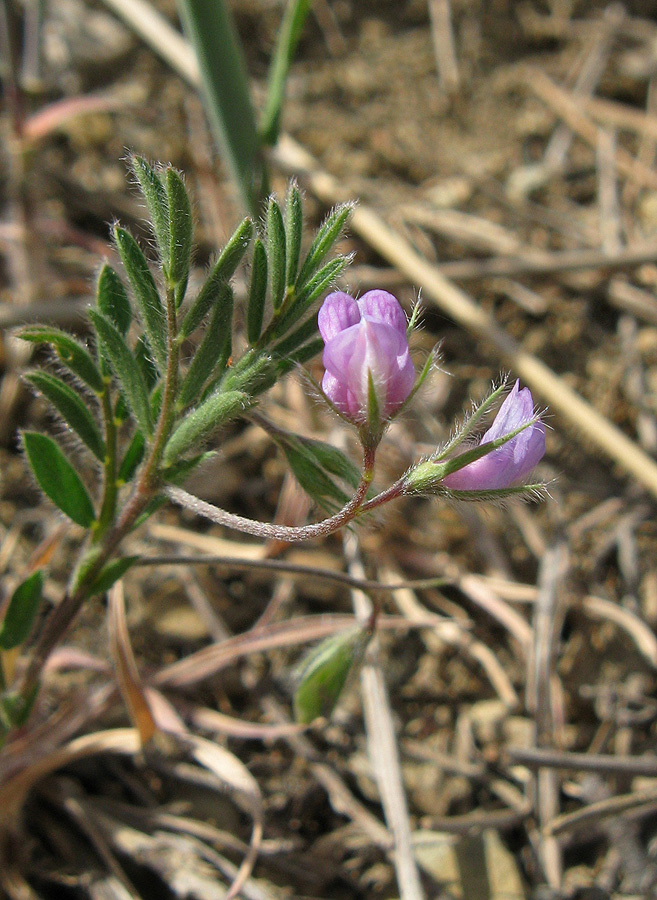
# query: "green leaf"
222,271
319,487
300,356
72,409
253,373
157,203
333,460
146,294
313,462
145,362
293,233
214,350
131,459
197,425
211,30
296,338
21,611
181,227
324,672
110,573
15,708
57,478
179,471
276,253
326,237
255,308
317,285
126,369
289,33
69,351
112,299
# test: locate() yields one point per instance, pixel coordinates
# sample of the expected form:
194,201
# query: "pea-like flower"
366,347
508,464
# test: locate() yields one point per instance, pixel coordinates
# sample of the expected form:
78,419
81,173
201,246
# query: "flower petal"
380,306
510,463
338,312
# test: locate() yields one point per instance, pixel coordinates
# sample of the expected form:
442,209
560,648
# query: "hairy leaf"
325,238
214,350
126,370
181,227
275,253
255,308
110,573
146,294
293,233
222,271
157,203
57,478
72,409
197,425
21,611
112,299
324,672
69,351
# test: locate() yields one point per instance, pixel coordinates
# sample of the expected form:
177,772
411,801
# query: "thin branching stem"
268,531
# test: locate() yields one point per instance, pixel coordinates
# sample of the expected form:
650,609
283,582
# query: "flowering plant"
143,413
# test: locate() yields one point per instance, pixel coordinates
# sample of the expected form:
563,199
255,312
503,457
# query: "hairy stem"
93,561
287,533
108,505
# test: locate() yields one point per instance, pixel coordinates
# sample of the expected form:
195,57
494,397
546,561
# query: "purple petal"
380,306
509,464
370,347
338,312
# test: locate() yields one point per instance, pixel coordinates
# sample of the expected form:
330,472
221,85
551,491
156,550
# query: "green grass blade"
211,31
294,18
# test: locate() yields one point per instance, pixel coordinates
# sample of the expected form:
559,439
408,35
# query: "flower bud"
366,356
509,464
503,457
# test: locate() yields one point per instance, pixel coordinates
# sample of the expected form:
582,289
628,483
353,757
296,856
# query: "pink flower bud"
363,338
510,463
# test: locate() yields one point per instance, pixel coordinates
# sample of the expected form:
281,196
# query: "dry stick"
340,797
571,111
157,32
442,34
548,263
614,806
382,745
536,758
586,83
539,702
608,208
619,115
463,310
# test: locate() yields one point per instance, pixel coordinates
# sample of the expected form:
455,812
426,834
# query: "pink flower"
365,338
509,464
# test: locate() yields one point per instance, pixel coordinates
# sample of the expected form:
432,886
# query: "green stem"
110,490
92,561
